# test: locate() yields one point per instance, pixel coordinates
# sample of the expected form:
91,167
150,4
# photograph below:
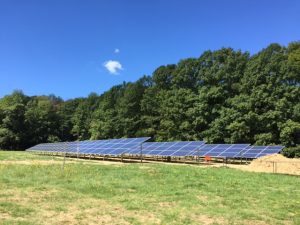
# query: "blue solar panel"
259,151
176,148
114,146
52,147
97,147
222,150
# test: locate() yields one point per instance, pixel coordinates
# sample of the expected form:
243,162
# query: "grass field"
33,190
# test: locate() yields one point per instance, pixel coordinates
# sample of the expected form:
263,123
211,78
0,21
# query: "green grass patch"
22,155
144,194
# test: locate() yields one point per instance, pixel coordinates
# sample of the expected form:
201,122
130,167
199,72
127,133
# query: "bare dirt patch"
166,204
272,163
208,220
254,222
203,198
4,216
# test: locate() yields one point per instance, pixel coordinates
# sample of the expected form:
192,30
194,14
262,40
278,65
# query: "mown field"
34,190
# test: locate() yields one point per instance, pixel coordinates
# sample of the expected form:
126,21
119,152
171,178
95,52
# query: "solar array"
139,146
259,151
176,148
98,147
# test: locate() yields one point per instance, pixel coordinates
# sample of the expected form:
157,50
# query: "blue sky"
61,47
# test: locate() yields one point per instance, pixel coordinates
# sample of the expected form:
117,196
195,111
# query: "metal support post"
64,161
141,155
198,155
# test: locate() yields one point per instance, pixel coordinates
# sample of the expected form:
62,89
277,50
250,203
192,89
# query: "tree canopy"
224,96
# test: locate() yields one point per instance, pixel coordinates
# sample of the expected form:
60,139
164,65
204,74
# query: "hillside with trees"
224,96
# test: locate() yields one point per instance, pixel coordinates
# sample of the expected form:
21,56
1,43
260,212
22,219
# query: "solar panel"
50,147
97,147
113,146
259,151
222,150
175,148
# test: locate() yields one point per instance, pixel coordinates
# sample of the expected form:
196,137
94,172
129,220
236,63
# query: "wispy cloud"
113,66
117,50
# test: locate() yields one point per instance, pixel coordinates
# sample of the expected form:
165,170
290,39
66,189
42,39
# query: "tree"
82,116
12,123
104,123
41,120
176,118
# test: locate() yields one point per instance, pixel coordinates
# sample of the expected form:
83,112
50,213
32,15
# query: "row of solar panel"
238,150
101,147
136,146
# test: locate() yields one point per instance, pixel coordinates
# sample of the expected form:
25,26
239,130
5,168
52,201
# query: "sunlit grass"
22,155
144,194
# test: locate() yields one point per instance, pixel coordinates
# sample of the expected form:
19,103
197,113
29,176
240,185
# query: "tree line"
224,96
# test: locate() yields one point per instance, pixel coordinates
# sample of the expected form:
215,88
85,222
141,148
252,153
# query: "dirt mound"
276,163
274,157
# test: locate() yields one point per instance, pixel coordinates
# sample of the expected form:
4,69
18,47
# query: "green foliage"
290,133
82,116
224,96
12,123
41,120
176,119
292,152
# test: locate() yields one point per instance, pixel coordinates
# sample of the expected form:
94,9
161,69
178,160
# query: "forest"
224,96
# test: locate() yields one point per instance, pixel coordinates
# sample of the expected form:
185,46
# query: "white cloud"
113,66
117,50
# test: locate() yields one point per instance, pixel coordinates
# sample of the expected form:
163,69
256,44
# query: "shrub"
292,152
